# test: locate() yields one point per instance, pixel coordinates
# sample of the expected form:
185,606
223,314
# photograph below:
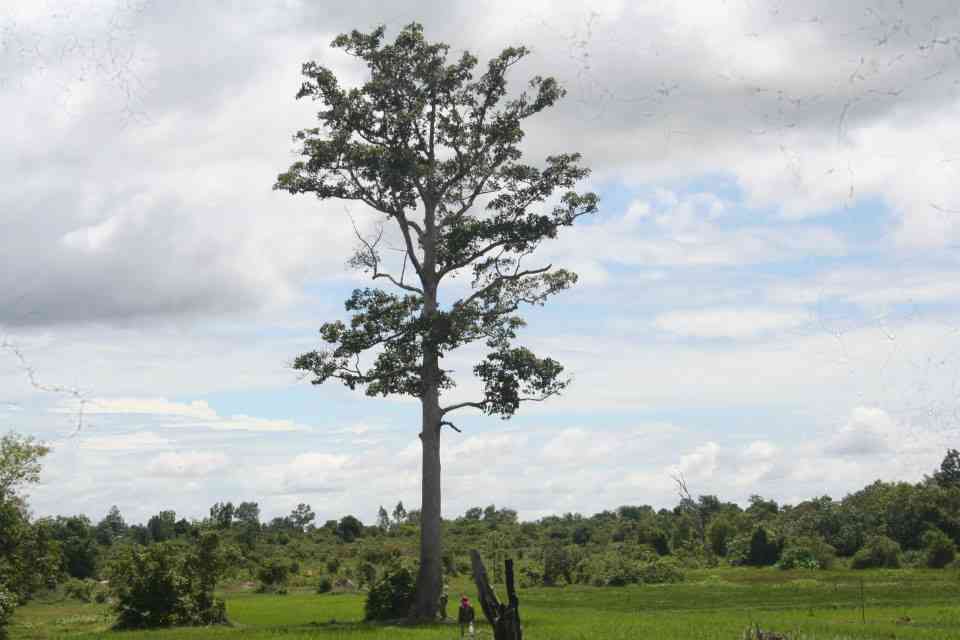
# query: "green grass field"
712,604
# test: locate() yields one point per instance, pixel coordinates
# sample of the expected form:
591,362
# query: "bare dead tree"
504,618
688,504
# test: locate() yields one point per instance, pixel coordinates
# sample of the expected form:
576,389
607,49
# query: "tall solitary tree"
434,149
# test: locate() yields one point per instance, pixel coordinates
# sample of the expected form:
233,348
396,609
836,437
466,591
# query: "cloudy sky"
767,303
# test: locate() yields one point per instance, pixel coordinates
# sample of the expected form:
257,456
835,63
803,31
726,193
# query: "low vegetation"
705,558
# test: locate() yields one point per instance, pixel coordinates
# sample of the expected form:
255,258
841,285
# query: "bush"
531,573
325,585
8,602
167,584
557,566
939,549
764,550
391,597
661,571
798,558
610,569
273,575
77,589
807,553
878,552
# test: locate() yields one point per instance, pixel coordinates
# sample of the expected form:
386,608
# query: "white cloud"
869,431
242,422
190,464
146,406
578,446
198,413
699,464
138,441
314,472
728,323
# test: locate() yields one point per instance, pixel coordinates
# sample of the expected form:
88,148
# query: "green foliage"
325,584
111,528
878,552
764,549
530,573
302,516
31,559
8,603
949,473
19,462
366,574
349,529
163,526
720,532
806,552
29,556
391,597
273,574
371,147
81,590
558,564
78,544
608,569
660,571
221,514
939,549
167,584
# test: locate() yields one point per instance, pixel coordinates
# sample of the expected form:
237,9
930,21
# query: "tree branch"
451,425
500,279
373,259
461,405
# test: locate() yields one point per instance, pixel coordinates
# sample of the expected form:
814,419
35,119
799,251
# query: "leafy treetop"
435,149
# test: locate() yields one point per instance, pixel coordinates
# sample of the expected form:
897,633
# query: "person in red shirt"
465,616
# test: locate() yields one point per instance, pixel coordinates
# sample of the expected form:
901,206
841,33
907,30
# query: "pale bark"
430,576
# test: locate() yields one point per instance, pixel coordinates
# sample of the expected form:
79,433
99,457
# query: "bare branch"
500,279
371,259
451,425
461,405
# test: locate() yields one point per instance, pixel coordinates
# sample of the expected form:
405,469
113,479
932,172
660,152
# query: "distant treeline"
883,524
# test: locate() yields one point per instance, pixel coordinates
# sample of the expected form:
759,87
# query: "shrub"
878,552
719,534
557,565
531,573
798,558
610,569
8,602
939,548
660,571
764,550
273,575
78,589
807,553
391,597
325,585
167,584
366,574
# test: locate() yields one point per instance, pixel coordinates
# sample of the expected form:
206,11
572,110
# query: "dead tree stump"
503,618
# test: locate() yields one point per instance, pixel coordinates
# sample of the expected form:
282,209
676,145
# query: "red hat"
464,600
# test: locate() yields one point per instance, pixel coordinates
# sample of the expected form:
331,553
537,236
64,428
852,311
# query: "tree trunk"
430,576
504,618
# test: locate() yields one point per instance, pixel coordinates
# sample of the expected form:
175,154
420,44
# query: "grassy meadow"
710,604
